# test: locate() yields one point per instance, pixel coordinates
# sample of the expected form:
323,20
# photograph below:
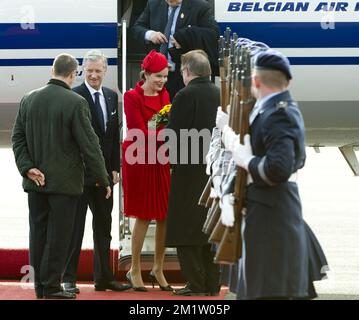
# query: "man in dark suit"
51,139
281,256
174,27
103,104
193,109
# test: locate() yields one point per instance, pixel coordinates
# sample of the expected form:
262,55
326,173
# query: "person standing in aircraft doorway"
174,27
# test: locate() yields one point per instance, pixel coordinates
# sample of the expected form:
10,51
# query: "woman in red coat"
146,183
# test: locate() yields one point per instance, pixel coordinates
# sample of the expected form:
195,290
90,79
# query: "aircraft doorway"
136,51
130,10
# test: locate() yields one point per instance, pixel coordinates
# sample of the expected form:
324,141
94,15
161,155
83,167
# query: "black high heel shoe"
154,280
129,278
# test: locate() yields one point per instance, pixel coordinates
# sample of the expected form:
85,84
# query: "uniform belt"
292,178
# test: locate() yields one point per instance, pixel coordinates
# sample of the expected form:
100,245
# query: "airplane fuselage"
323,48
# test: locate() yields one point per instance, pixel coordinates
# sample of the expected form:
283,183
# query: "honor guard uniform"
281,256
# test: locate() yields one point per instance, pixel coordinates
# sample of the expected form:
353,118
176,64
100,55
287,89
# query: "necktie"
99,111
167,32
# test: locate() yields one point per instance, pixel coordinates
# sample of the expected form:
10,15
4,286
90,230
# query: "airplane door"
130,10
136,51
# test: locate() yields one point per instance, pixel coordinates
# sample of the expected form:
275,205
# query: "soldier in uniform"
281,256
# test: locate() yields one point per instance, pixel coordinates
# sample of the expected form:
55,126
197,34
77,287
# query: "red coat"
146,186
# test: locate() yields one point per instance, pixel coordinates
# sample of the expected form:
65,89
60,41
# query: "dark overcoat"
194,107
279,250
53,133
195,28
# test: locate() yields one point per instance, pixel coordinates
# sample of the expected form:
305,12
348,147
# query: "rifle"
224,62
222,72
205,194
219,229
230,247
212,218
225,73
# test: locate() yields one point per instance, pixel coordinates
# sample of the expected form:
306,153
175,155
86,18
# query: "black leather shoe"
71,287
113,285
214,291
39,295
188,292
39,290
60,295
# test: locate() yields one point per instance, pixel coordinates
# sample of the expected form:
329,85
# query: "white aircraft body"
320,39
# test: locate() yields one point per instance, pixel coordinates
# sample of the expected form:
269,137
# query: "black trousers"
198,268
51,218
101,208
229,276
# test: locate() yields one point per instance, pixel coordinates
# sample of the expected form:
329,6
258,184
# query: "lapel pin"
182,15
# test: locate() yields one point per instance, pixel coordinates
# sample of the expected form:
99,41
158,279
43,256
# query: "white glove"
242,153
216,181
214,149
221,119
229,138
213,194
227,213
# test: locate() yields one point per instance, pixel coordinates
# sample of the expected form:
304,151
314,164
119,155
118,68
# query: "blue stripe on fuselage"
58,35
40,62
297,34
323,61
104,35
113,61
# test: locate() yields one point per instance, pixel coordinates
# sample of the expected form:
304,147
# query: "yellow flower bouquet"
160,118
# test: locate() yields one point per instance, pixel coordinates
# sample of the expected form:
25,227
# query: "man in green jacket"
52,140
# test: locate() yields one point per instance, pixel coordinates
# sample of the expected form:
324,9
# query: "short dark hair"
64,64
273,78
197,63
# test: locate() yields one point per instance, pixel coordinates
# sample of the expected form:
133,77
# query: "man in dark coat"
280,255
51,139
175,27
103,105
194,108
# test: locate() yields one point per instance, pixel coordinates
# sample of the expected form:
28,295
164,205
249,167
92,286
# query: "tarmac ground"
329,194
